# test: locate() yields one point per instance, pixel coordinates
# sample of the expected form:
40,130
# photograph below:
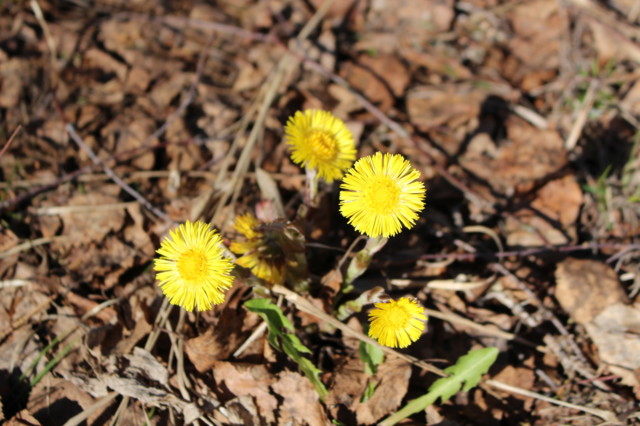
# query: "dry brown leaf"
82,305
522,376
8,239
391,384
222,338
389,69
163,92
240,410
368,83
585,288
129,132
616,334
143,364
140,330
301,403
23,418
612,45
92,223
152,396
248,379
430,107
516,163
349,382
631,101
54,400
540,26
12,73
414,21
101,60
550,218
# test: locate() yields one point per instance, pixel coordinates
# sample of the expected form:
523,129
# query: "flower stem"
361,261
312,187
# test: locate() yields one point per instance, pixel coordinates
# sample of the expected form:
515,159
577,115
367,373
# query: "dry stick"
191,94
109,171
305,306
145,145
31,244
79,173
528,252
81,417
182,377
87,209
256,333
456,319
161,319
37,11
550,315
603,414
242,166
11,138
581,120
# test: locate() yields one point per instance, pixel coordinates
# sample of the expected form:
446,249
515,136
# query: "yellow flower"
319,140
397,324
273,251
380,194
191,270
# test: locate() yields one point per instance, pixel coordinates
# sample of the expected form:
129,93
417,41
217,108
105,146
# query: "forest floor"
121,119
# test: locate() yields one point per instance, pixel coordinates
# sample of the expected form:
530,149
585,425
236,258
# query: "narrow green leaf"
289,343
372,356
468,370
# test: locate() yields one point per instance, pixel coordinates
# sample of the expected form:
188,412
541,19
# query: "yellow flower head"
397,323
271,250
319,140
191,270
380,194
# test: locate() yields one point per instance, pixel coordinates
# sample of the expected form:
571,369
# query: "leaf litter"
522,117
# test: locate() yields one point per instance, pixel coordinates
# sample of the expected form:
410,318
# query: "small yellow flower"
380,194
397,323
319,140
262,255
273,251
191,270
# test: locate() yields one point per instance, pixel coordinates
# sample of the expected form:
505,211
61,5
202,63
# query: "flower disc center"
397,317
323,145
192,265
382,195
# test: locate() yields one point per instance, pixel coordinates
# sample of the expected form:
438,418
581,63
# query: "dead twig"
581,120
109,171
11,138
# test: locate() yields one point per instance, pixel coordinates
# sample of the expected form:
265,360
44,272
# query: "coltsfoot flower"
381,194
397,324
192,270
319,140
273,251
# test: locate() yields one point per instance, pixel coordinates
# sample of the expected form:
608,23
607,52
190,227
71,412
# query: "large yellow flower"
397,324
381,193
319,140
191,270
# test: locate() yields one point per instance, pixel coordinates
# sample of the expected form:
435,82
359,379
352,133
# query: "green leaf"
465,374
368,392
372,356
273,316
468,370
280,338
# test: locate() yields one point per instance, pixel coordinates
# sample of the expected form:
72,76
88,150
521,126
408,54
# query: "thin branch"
11,138
109,171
